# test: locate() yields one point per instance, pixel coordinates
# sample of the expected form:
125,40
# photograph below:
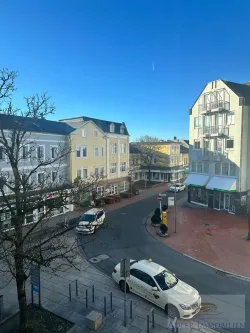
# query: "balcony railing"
214,106
214,131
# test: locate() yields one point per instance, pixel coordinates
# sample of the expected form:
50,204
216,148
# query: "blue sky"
95,57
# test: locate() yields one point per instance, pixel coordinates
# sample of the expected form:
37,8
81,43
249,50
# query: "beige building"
100,148
219,140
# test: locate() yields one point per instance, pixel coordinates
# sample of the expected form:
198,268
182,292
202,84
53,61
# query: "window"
40,178
113,148
123,166
96,172
112,128
101,171
113,168
100,191
232,169
84,151
217,168
25,179
113,189
79,173
84,173
197,122
218,145
40,152
197,144
25,152
95,133
53,175
53,152
193,166
199,167
123,148
122,129
230,143
98,151
78,152
206,167
123,186
84,132
29,218
143,277
230,118
225,169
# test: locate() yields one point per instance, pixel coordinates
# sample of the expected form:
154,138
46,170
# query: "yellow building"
100,148
169,162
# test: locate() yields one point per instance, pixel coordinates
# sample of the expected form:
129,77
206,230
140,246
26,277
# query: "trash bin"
1,307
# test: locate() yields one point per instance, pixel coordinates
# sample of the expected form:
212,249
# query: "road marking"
99,258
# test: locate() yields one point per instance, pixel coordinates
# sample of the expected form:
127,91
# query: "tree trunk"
21,293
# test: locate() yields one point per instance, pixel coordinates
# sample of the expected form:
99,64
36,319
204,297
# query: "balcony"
214,131
219,106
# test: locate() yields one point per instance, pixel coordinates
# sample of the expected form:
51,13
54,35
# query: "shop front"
197,192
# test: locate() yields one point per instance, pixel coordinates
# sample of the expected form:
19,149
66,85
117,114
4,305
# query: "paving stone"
56,297
129,329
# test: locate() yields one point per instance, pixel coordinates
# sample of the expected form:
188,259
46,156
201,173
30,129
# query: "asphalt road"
126,236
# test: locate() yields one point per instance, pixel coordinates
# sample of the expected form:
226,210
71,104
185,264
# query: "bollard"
173,326
111,301
130,309
93,294
153,317
147,323
69,292
76,288
105,305
86,298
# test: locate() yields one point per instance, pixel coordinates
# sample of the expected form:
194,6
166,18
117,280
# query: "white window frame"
100,191
96,149
196,140
39,146
79,169
113,148
230,118
78,149
96,174
84,132
28,158
112,128
123,148
51,149
39,173
87,151
101,168
112,166
124,186
122,129
86,173
229,139
95,133
113,189
199,122
122,165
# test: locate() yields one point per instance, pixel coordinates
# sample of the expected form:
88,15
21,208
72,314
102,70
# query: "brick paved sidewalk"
214,237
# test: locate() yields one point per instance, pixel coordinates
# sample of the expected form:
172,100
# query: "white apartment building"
219,138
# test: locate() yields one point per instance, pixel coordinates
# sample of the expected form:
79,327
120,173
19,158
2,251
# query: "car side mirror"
155,289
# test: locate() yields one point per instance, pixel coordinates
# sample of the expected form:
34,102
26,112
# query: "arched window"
122,128
112,128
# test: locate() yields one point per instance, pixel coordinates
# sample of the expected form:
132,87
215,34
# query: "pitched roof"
34,124
104,125
242,90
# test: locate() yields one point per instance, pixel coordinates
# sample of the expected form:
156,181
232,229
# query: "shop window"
232,169
225,169
206,167
217,168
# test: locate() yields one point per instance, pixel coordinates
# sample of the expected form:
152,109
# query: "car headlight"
185,307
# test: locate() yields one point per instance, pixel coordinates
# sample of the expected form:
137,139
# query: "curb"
227,274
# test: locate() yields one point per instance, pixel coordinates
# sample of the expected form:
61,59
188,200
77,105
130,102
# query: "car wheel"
172,311
122,286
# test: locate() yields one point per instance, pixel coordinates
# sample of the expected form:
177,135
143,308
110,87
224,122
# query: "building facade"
43,141
169,164
219,140
100,148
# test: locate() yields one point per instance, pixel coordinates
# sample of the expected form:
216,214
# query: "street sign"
35,275
170,201
163,194
159,197
125,268
35,288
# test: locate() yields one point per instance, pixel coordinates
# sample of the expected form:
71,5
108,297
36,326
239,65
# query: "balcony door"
218,120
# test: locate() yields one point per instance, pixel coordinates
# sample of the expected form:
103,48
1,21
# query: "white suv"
178,187
90,221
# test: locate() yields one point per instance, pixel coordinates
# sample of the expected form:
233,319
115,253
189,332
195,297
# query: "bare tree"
147,147
24,192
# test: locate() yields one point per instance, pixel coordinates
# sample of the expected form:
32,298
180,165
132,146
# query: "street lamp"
174,182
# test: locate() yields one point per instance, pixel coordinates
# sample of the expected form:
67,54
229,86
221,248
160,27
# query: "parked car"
91,221
178,187
158,285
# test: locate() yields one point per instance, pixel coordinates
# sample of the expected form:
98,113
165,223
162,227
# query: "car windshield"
88,218
166,280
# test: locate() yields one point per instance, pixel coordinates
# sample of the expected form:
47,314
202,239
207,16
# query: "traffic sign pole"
159,197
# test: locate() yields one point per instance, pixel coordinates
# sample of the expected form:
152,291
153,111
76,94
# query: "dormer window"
112,128
122,129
